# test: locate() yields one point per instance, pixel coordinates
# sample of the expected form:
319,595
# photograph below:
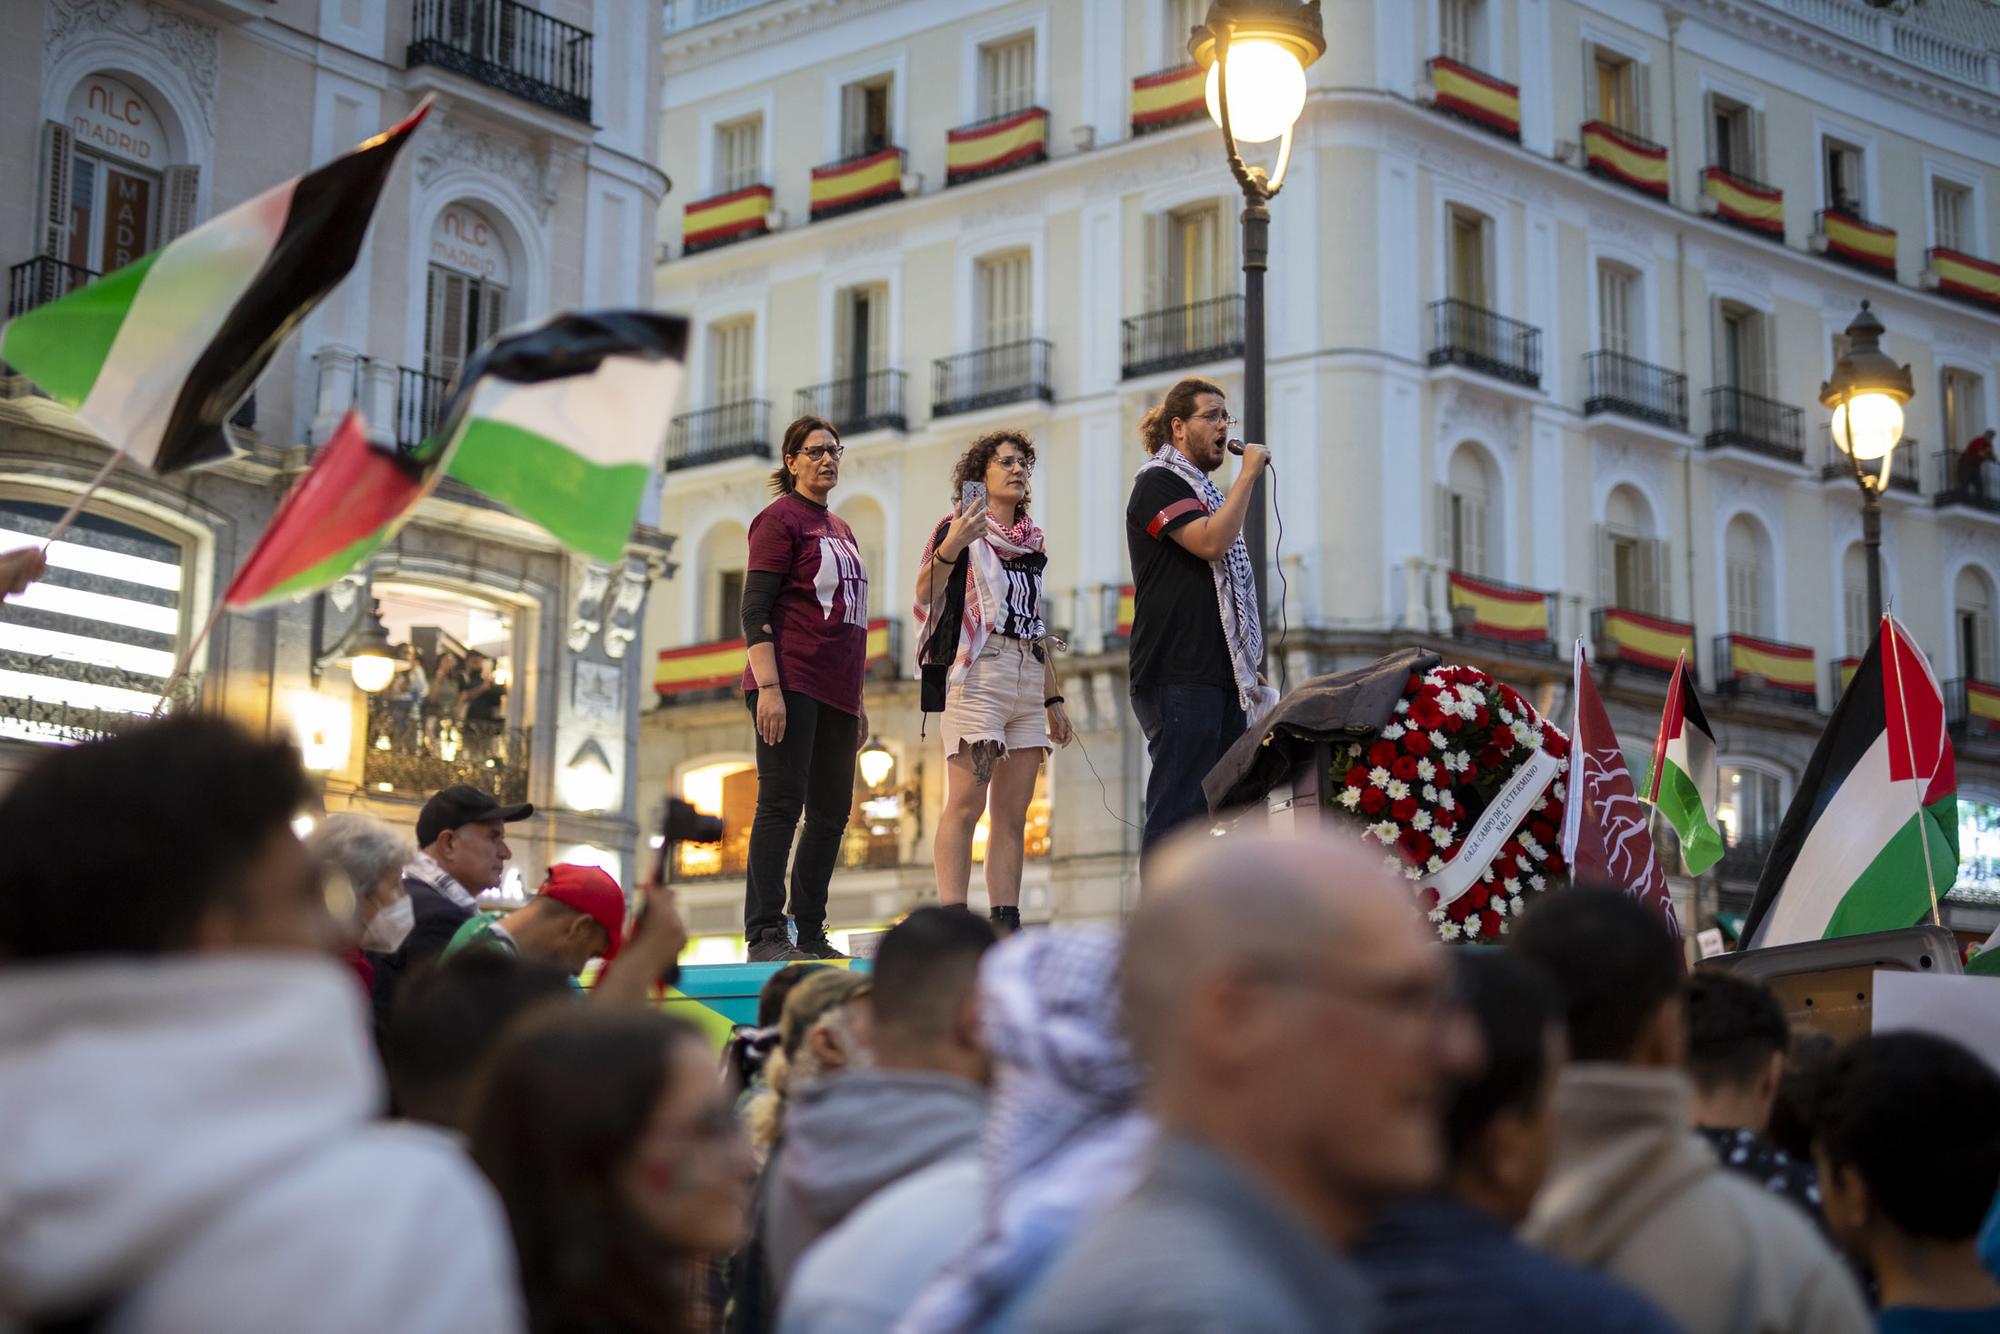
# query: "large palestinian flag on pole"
564,422
1682,784
1871,840
155,356
351,500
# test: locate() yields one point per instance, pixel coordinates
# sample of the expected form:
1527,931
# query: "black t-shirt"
1176,626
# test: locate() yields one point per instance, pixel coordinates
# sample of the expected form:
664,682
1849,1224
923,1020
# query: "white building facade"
532,188
1553,286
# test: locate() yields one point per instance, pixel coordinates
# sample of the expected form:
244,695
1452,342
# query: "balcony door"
1004,313
1466,276
1732,131
1631,563
112,195
466,289
860,348
1746,574
1617,290
1741,355
1007,76
1972,618
864,117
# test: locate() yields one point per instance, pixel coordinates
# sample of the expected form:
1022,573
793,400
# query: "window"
864,117
1466,278
1178,19
1462,31
1854,602
1961,406
728,604
1972,620
1195,264
1004,308
462,312
1732,137
455,702
732,361
727,788
1617,289
861,333
1631,565
1740,360
1007,76
1748,812
1616,80
1466,513
739,154
1843,162
1745,571
112,195
1951,214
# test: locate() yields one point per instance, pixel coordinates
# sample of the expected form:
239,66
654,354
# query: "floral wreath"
1457,739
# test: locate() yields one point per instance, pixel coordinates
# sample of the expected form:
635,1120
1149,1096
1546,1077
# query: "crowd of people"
451,703
253,1083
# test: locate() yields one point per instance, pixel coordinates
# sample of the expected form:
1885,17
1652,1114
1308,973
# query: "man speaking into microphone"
1197,632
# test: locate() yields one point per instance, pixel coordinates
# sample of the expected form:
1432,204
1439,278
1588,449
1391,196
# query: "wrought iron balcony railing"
1747,665
72,702
1750,421
407,752
1008,373
1462,334
1743,859
1835,466
1971,480
38,281
508,46
727,431
857,403
420,399
1635,388
1165,340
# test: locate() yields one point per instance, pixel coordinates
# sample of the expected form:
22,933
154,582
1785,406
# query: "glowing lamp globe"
876,764
1868,426
372,671
1267,90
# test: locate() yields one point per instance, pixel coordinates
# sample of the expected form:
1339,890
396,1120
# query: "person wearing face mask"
369,856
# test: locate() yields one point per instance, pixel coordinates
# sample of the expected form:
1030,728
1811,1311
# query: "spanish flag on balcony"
1846,667
721,662
1168,98
712,222
1610,151
1786,666
1644,641
1858,242
1982,705
1007,141
1962,275
841,186
1734,199
1520,615
1480,98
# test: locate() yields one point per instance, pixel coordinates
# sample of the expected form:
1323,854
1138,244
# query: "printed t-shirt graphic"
819,626
1176,623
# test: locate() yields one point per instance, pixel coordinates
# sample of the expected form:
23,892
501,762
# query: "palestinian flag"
564,422
155,356
351,500
1682,784
1871,839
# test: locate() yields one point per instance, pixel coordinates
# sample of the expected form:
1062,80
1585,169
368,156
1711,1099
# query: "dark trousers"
1187,728
811,770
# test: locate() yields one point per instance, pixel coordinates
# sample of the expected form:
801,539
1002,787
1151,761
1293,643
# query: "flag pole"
186,658
1910,753
1660,732
76,508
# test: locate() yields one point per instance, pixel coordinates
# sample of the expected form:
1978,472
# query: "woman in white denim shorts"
982,637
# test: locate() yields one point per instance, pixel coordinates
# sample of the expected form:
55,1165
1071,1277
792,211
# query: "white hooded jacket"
191,1143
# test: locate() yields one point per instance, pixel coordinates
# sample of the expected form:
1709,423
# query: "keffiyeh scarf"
1235,584
986,588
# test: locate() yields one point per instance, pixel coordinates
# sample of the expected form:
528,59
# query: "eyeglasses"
818,452
1221,419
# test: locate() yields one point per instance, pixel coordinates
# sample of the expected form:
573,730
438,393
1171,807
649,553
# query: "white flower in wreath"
1521,731
1467,710
1447,799
1461,761
1516,904
1468,693
1402,706
1538,882
1435,864
1435,914
1449,930
1427,771
1421,821
1397,789
1534,849
1511,885
1430,794
1437,740
1350,797
1471,925
1506,717
1443,837
1413,873
1562,766
1393,732
1384,831
1541,804
1379,776
1389,864
1499,906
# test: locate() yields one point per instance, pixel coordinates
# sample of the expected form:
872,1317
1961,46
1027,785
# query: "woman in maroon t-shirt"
805,619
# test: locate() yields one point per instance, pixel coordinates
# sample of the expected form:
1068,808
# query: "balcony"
1740,419
1637,389
1744,202
1743,859
1971,481
1464,335
1507,615
420,400
1471,95
1844,236
1640,641
1836,467
1168,97
1954,273
38,281
855,183
714,670
73,702
508,46
1748,666
857,403
409,753
1165,340
1008,373
1972,708
729,431
717,221
1619,155
995,145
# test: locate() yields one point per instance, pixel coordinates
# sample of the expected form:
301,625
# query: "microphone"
1236,448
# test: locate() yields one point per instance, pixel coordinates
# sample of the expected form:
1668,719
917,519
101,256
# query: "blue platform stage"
719,996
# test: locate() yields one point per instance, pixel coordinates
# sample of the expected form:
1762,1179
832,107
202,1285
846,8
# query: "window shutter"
853,119
1855,600
1442,520
1652,577
1642,99
493,315
1154,262
177,217
444,341
877,308
1982,634
59,151
1607,567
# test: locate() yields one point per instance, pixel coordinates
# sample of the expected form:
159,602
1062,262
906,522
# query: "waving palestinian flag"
1871,839
564,422
1682,785
155,356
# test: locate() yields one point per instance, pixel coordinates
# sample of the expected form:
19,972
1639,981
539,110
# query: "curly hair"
1156,428
971,466
796,435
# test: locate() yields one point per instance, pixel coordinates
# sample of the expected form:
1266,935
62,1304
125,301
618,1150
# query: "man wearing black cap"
462,837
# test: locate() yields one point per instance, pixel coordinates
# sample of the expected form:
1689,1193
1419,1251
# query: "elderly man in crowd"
1292,1016
462,837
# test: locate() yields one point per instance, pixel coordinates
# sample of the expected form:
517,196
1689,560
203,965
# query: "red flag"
1607,834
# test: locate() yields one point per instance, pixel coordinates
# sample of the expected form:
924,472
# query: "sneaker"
813,944
774,946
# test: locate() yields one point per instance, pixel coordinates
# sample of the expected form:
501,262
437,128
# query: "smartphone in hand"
971,495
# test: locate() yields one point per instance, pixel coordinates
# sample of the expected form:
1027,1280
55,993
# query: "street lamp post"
1263,47
1867,393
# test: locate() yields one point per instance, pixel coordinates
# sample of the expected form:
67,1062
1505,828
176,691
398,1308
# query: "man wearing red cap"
577,915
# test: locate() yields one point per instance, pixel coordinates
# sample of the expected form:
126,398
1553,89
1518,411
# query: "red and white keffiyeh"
987,588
